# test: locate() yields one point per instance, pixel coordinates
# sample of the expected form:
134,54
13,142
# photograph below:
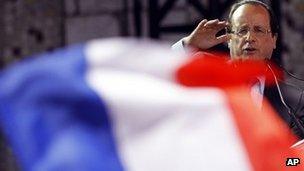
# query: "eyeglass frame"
263,32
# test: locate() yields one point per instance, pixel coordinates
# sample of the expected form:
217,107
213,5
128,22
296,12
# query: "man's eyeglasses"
257,30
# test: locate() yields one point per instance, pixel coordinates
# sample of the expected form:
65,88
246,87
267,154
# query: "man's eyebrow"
256,25
261,26
243,25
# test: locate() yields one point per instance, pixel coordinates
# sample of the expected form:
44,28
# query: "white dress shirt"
257,91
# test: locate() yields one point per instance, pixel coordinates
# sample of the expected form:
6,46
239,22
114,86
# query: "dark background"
33,26
29,27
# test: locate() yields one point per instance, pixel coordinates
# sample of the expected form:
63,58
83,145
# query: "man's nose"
250,36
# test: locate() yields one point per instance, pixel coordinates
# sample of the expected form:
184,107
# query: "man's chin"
250,57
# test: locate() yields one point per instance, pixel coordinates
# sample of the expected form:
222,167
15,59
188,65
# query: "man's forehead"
250,14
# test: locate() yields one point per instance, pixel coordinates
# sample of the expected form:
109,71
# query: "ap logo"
292,161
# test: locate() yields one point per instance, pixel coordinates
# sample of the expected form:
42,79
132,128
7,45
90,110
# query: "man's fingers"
219,27
202,23
211,23
223,38
223,22
216,25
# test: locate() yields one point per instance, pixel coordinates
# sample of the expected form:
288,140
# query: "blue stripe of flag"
53,120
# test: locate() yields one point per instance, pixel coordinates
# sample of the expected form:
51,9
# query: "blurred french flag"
121,104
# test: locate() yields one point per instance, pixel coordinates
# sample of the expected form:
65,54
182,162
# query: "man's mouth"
249,50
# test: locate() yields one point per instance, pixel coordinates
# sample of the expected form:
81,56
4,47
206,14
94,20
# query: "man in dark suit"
292,111
252,32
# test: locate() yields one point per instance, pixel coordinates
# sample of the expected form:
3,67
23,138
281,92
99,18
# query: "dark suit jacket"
291,95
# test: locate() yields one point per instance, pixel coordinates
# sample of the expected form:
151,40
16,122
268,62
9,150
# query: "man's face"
252,37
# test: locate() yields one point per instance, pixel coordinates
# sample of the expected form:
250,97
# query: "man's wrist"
185,42
187,45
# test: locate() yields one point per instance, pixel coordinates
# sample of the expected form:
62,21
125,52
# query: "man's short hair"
273,20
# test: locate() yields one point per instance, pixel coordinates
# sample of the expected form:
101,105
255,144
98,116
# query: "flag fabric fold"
134,105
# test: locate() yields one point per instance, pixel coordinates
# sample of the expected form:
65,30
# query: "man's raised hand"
204,35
